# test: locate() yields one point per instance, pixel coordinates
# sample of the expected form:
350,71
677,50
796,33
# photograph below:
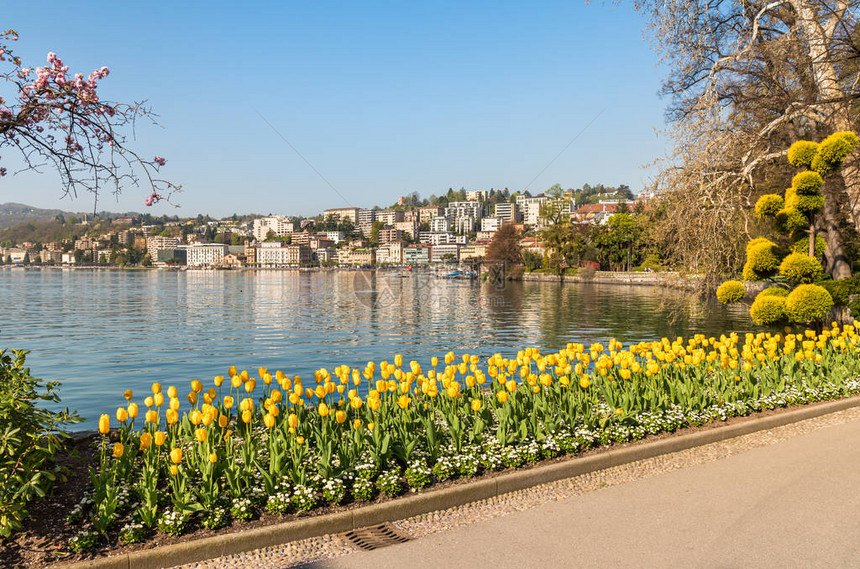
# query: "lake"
103,331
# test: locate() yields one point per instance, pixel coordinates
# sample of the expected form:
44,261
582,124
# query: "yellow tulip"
323,409
200,434
117,450
228,402
121,414
148,401
156,388
145,441
293,421
235,380
196,386
434,361
159,399
340,416
195,417
584,381
269,421
219,379
476,405
247,416
356,424
174,470
300,440
398,360
128,394
104,424
502,396
192,398
174,404
172,416
151,416
176,455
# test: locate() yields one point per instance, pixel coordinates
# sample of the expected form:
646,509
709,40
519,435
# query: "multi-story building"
441,238
530,207
474,251
409,228
326,254
386,255
416,254
458,210
363,257
156,243
280,225
85,244
367,216
350,213
51,256
365,228
466,224
344,256
250,253
484,236
206,254
395,253
272,254
411,215
299,254
426,213
507,212
491,224
336,236
439,223
476,195
389,235
445,253
320,242
389,216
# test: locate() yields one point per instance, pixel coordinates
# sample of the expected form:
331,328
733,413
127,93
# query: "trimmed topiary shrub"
832,151
731,291
762,260
800,243
768,309
769,205
802,152
809,204
774,291
807,303
801,268
807,183
788,220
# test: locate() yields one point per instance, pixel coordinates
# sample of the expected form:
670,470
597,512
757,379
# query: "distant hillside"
11,214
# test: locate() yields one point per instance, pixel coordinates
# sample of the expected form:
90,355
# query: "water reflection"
100,332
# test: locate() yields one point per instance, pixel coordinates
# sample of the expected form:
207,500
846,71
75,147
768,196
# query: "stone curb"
432,500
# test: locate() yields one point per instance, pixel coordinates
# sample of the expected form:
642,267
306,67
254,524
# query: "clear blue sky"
383,98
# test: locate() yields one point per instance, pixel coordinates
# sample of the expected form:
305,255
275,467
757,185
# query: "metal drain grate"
375,537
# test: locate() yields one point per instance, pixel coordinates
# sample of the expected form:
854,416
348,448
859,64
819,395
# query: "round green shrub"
800,243
807,303
768,205
731,291
763,259
757,241
788,220
832,151
801,268
774,291
807,183
809,204
767,309
802,152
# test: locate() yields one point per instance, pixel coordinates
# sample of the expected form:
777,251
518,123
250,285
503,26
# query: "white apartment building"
336,236
438,253
408,227
466,224
439,224
366,216
389,216
458,210
350,213
530,206
508,212
280,225
491,224
272,254
157,243
206,254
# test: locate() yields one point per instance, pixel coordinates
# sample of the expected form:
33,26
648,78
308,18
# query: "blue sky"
382,98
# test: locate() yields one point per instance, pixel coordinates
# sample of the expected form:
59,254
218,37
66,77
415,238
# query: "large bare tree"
747,79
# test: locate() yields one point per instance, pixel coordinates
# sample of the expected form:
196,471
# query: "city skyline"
378,102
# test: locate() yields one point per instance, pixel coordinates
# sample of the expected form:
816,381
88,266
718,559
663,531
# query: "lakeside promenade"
785,497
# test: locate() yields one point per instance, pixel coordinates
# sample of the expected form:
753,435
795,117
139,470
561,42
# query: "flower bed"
285,447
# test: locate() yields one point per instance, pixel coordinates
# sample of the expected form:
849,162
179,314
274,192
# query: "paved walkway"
794,503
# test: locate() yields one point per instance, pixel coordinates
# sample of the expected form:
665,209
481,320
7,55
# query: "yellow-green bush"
731,291
768,205
768,309
802,152
809,204
807,303
774,291
807,183
801,268
832,151
788,220
762,260
757,241
800,243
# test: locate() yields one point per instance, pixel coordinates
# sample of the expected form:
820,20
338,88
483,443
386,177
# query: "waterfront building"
473,251
206,254
68,259
156,243
326,254
416,254
51,256
299,254
363,257
344,256
530,207
250,253
445,253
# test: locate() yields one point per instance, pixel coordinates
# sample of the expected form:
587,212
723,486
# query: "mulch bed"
44,538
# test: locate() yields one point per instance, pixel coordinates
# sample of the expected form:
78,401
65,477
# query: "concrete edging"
432,500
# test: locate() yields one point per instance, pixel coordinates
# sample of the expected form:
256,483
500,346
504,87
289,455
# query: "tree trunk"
837,262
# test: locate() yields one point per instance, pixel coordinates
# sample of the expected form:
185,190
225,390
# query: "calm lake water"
101,332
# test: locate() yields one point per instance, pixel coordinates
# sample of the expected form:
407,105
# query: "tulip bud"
247,416
223,420
145,441
340,416
192,398
228,402
219,379
158,399
156,388
121,414
104,424
148,401
235,380
269,421
476,405
300,440
117,450
200,434
174,470
128,394
160,437
213,458
196,386
176,455
151,416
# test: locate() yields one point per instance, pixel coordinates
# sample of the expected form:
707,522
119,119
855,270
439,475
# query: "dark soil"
44,539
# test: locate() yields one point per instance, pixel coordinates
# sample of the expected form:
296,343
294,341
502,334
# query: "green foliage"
807,183
762,260
767,309
808,303
802,152
30,436
774,291
769,205
832,151
789,220
532,260
801,268
809,204
841,290
731,291
757,241
800,243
